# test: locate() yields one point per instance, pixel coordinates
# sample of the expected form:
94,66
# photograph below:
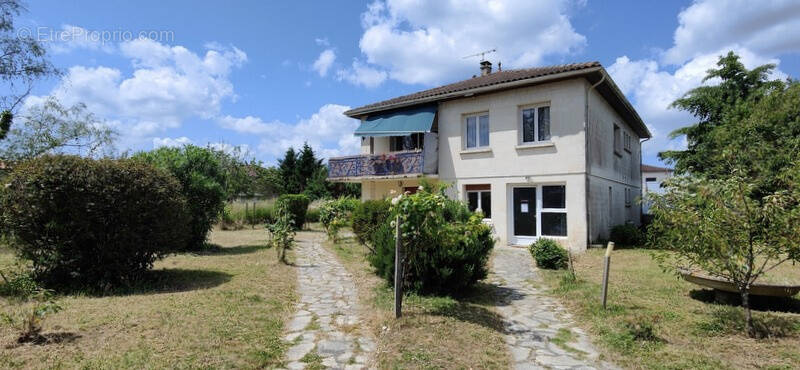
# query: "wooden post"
254,215
246,212
398,271
606,267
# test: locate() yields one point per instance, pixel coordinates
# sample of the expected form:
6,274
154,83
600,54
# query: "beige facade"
601,183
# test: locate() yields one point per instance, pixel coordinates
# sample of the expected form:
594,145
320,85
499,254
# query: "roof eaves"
355,113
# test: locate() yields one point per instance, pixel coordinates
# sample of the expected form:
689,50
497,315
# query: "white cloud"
244,149
324,62
763,27
652,89
362,75
158,142
70,38
169,84
328,131
419,42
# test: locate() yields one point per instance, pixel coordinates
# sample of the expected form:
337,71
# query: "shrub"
627,235
202,180
100,222
548,254
297,206
282,230
443,256
368,216
335,214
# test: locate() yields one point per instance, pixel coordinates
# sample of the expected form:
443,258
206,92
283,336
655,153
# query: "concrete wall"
653,187
382,189
610,173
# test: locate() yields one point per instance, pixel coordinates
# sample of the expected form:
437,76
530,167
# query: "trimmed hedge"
92,222
298,207
446,251
202,180
548,254
368,217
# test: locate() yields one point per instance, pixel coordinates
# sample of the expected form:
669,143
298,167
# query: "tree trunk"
748,316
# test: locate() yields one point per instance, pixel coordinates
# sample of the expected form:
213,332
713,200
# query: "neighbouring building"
652,177
544,152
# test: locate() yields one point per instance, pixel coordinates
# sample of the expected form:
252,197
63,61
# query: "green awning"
398,123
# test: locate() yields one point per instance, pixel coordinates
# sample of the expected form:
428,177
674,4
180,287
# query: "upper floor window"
627,142
617,140
536,124
408,142
477,131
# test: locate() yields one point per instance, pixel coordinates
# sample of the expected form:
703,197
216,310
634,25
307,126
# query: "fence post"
398,271
246,212
254,216
606,267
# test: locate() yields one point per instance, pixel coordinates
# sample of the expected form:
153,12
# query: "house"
652,177
544,152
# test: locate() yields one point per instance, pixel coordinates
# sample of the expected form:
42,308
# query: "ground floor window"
479,197
540,211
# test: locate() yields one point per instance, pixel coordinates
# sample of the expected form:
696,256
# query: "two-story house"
543,152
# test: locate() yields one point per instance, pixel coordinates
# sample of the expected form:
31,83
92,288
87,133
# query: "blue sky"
273,74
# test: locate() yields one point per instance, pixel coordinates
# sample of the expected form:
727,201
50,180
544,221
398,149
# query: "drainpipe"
641,187
588,166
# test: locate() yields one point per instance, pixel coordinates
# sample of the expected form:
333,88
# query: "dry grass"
223,309
657,321
434,332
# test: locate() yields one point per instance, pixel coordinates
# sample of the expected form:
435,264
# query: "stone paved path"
326,322
534,319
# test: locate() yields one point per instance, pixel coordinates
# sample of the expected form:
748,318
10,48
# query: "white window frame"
480,205
521,125
626,143
465,139
527,239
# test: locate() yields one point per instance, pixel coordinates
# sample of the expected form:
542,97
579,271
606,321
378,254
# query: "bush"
548,254
443,255
282,230
202,180
297,206
368,217
335,214
627,235
92,222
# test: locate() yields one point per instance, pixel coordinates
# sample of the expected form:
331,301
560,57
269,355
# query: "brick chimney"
486,67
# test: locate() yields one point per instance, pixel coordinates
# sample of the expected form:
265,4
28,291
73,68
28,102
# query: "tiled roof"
494,78
649,168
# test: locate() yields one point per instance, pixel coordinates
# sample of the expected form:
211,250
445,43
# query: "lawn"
221,309
656,321
434,332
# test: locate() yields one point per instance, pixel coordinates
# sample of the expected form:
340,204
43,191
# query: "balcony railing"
377,165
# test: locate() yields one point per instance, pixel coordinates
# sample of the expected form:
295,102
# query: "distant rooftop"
650,168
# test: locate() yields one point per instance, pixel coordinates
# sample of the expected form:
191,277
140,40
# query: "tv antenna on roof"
481,54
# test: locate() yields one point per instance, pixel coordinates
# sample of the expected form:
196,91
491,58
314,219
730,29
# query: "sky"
269,75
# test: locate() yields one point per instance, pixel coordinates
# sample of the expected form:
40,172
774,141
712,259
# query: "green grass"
654,320
222,309
434,332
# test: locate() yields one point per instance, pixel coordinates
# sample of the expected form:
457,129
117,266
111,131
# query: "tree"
716,226
740,216
22,61
723,104
53,128
202,181
318,186
307,166
290,183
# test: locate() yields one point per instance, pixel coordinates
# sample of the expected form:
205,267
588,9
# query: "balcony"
376,166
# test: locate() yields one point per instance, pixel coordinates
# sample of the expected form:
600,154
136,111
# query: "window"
477,131
627,142
617,140
409,142
536,124
554,210
650,179
480,197
628,196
